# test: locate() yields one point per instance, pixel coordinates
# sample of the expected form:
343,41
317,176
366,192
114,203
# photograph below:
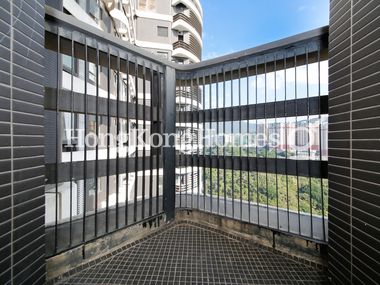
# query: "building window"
302,138
94,10
163,54
180,38
91,72
162,31
82,3
68,65
147,5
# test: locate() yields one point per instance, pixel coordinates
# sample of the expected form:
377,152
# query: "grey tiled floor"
188,254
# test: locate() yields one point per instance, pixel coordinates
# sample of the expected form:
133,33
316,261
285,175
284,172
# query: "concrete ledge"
306,252
303,251
64,262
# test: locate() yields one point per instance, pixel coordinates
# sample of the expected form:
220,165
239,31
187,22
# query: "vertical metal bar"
186,158
143,146
198,138
169,113
232,148
309,145
247,150
97,145
286,143
217,140
72,134
224,142
240,147
163,87
117,140
276,129
320,140
256,155
136,142
128,139
159,149
192,137
210,139
85,145
266,130
190,157
179,141
108,137
58,128
204,141
296,139
150,147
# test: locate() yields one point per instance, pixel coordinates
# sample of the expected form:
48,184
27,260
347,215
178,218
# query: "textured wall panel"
22,233
354,142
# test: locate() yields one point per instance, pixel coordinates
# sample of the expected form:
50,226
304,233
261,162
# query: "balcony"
243,183
192,50
122,23
194,6
190,97
182,22
269,173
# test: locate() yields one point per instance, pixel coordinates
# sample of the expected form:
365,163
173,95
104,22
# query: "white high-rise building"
170,28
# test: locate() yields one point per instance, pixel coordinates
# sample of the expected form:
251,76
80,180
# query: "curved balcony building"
188,22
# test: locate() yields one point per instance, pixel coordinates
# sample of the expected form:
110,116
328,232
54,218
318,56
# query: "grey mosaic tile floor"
188,254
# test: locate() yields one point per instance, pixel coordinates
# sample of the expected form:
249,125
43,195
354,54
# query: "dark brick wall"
354,141
22,210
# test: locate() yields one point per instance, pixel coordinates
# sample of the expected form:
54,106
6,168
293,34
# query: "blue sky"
231,26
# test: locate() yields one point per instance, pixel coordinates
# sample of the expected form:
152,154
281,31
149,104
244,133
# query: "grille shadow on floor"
184,253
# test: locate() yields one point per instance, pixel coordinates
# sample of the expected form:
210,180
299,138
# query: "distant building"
170,28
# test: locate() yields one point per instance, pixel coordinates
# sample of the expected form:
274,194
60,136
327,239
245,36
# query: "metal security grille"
247,135
252,136
102,103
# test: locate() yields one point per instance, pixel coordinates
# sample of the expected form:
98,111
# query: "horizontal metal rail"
70,23
79,98
318,169
280,109
101,165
